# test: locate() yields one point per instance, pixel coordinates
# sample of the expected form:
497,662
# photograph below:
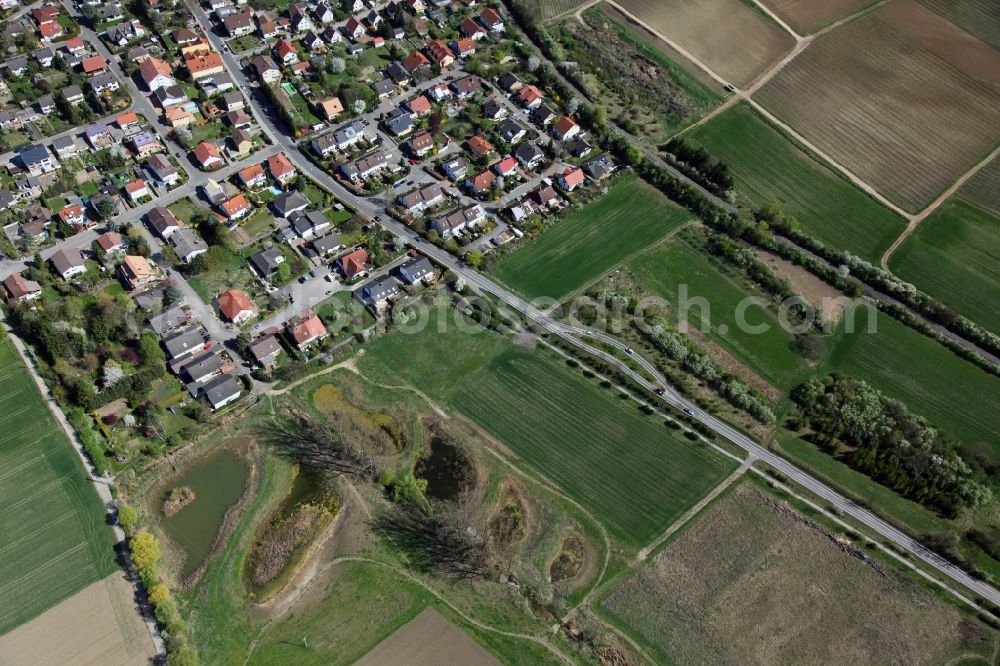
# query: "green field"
664,271
591,241
767,167
950,392
954,255
630,470
53,538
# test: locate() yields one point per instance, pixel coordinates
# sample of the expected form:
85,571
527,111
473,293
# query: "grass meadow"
53,538
591,241
948,391
628,469
667,269
768,167
954,255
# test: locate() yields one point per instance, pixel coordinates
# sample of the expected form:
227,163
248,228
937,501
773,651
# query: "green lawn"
954,255
950,392
631,471
184,209
53,538
677,268
342,313
591,241
768,167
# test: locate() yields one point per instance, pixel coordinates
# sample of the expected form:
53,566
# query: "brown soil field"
731,38
978,17
829,300
754,582
900,97
428,639
98,625
983,189
808,16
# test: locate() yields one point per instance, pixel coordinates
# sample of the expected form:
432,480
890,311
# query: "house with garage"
236,307
306,330
187,245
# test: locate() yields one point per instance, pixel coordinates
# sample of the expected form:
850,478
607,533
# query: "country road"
671,397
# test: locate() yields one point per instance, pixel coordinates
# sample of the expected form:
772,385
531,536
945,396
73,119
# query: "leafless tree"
311,442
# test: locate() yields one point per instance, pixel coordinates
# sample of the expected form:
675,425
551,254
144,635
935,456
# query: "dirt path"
777,19
693,511
538,639
922,215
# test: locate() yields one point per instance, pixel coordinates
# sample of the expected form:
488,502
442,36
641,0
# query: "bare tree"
445,542
311,442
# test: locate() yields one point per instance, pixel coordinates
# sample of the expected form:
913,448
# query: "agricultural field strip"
922,215
764,78
777,19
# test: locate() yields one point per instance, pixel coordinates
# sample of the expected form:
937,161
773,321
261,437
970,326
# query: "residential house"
421,144
73,94
463,48
201,368
35,159
440,53
529,155
235,207
543,115
399,74
509,83
168,320
124,34
326,245
231,101
65,147
163,222
239,24
19,288
570,179
239,119
481,183
491,20
440,92
265,350
494,110
289,202
184,343
103,83
235,306
136,190
366,166
599,167
376,292
94,65
163,171
505,167
416,269
266,262
530,96
418,200
221,391
266,69
253,176
354,28
418,106
285,53
281,168
306,330
208,155
46,104
156,74
187,245
204,64
330,108
479,147
299,17
74,215
466,86
146,143
455,169
178,116
352,264
398,122
99,136
111,242
471,29
137,272
459,220
578,147
566,128
510,131
384,88
416,61
308,225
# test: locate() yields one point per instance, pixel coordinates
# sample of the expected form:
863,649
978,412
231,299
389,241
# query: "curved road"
670,397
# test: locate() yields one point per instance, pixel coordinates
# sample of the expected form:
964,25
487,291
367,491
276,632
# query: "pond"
445,470
218,481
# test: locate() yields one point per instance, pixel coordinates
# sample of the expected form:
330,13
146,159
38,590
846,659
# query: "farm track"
654,157
922,215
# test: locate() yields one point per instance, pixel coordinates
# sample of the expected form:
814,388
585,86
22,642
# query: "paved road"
568,333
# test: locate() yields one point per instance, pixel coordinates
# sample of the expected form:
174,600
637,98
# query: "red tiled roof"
308,328
353,263
233,302
93,64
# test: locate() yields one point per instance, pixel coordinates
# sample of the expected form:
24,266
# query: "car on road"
629,351
303,279
689,411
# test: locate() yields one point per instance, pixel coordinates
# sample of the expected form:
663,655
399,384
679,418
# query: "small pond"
218,481
445,470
